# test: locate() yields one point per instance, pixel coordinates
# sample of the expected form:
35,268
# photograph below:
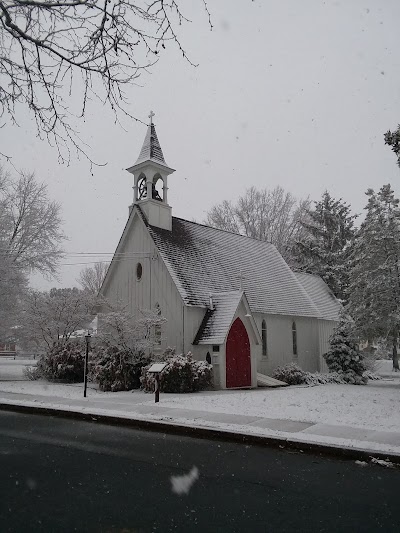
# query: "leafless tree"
54,316
46,44
91,278
30,224
268,215
118,327
29,241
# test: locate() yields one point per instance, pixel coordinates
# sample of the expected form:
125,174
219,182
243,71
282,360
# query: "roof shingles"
151,149
216,322
204,260
321,295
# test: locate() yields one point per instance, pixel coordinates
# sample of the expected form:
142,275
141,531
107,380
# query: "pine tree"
344,355
374,291
392,138
325,249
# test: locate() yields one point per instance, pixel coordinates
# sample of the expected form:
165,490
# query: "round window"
139,271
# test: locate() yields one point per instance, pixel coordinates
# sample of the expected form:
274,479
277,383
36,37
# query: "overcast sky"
296,93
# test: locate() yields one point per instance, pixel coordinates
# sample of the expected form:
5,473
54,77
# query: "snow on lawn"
374,406
44,388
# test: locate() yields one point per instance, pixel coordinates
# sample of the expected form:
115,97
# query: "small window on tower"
139,271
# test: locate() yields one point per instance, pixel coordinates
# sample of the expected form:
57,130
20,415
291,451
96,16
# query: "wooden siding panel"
279,343
156,285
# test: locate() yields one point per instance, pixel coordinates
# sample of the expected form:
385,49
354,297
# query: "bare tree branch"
272,216
29,225
91,278
44,43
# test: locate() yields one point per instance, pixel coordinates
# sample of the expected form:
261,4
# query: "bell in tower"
151,180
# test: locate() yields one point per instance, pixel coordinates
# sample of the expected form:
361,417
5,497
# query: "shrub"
290,374
32,373
371,375
63,362
182,374
117,369
324,379
294,375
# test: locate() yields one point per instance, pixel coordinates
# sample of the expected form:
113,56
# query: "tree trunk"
395,355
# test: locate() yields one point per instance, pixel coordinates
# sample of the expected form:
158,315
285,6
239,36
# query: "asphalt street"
65,475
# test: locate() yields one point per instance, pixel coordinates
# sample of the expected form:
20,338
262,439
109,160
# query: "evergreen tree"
374,291
325,248
392,138
344,355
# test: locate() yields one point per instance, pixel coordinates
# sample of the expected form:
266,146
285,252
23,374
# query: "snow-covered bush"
182,374
323,379
116,369
290,374
294,375
31,372
63,362
121,348
344,356
371,375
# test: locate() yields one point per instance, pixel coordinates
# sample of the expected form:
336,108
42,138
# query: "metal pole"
157,387
87,338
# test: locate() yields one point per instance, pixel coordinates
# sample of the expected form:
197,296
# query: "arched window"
294,338
158,188
157,327
264,338
139,271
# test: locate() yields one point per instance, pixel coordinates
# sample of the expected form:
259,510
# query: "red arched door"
238,362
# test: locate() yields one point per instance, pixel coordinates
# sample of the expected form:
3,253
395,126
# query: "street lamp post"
87,339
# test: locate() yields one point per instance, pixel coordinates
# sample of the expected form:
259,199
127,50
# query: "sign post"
87,339
156,369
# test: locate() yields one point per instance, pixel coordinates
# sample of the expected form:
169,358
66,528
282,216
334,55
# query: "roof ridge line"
224,230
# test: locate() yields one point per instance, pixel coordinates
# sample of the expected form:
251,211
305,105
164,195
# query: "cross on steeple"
152,114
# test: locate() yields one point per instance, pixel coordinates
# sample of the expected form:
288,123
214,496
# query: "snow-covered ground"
339,415
374,406
12,369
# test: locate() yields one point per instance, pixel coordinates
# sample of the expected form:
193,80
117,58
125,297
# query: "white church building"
227,298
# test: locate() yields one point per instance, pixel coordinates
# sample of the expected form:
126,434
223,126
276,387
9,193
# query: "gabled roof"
204,260
217,321
151,149
321,295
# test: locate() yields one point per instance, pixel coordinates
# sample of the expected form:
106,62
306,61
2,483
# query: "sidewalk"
137,409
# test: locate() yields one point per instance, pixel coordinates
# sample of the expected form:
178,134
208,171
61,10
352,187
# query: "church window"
139,271
294,338
264,338
157,328
215,348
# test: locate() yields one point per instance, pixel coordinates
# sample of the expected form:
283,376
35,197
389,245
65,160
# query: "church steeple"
151,149
151,180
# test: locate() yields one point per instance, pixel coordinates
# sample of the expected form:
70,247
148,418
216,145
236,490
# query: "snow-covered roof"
216,322
321,295
204,260
151,149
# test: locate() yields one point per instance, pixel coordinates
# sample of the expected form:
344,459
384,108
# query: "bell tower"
150,181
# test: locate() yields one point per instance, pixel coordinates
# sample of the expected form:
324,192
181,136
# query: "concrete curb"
209,433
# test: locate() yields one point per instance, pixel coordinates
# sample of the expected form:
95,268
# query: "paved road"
65,475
